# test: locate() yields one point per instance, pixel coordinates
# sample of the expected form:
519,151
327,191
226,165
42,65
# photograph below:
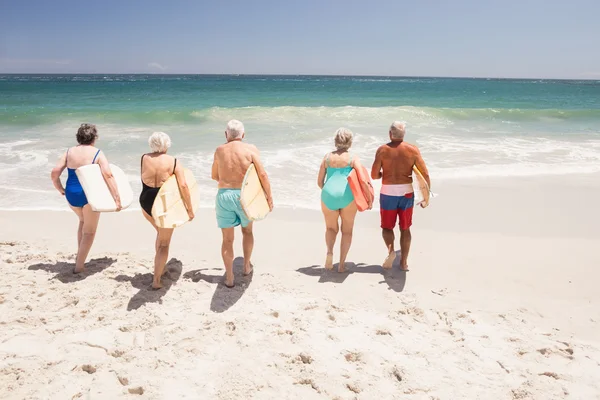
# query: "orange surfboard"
360,198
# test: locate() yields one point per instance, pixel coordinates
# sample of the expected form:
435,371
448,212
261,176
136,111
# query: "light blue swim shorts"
229,209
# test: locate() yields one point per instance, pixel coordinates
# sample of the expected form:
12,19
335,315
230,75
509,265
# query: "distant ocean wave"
291,114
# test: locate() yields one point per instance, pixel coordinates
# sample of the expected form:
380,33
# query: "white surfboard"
253,197
421,188
168,209
96,189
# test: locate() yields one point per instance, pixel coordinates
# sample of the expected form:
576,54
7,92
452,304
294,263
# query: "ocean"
466,128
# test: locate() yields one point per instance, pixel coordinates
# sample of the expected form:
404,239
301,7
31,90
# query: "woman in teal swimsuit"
337,200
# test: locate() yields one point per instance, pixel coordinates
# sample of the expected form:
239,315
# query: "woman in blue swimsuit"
83,154
337,200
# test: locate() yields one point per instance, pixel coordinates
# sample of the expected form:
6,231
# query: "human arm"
321,177
215,168
376,168
57,171
110,180
263,177
363,184
420,164
184,190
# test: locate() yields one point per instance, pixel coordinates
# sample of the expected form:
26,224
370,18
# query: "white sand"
501,303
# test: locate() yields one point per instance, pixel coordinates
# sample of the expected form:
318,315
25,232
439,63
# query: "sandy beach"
501,302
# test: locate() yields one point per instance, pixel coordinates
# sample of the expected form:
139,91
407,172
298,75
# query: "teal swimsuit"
336,193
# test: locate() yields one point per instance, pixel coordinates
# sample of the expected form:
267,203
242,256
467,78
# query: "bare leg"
248,245
405,239
227,254
162,254
79,213
332,229
348,214
90,224
151,220
388,238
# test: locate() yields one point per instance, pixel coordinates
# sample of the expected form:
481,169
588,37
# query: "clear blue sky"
478,38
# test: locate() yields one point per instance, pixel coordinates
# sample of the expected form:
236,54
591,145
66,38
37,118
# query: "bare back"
232,161
156,169
397,159
79,156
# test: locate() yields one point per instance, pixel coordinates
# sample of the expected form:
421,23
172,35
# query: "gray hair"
398,130
159,142
343,139
87,134
234,130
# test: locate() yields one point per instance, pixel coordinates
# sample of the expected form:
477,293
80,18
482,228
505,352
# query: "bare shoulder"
252,147
412,147
219,150
382,149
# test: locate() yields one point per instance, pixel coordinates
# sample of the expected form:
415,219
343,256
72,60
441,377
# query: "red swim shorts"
391,207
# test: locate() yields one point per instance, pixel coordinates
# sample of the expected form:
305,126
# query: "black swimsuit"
149,194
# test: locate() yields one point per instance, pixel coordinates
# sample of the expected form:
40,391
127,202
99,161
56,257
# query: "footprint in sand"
309,382
137,390
90,369
353,357
353,387
304,358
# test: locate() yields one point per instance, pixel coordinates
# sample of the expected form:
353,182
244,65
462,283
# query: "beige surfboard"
169,210
96,190
253,198
421,188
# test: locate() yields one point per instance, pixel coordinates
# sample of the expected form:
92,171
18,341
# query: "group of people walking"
393,164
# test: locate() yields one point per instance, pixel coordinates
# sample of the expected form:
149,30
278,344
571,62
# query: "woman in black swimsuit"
156,168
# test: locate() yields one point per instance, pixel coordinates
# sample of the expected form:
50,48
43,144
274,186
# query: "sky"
462,38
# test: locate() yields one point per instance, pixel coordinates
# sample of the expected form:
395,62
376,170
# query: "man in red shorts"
396,200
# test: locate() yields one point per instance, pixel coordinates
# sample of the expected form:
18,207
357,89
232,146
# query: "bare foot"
229,281
78,271
404,267
329,262
248,269
229,284
389,260
156,286
165,270
342,267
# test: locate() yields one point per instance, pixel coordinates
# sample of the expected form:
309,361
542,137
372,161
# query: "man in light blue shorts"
229,210
231,162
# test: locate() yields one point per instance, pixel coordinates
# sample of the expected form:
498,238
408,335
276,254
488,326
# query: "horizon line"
298,75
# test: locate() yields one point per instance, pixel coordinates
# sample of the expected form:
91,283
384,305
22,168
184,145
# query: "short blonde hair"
343,139
234,130
159,142
398,130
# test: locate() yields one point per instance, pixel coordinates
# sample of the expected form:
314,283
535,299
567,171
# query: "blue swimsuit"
73,190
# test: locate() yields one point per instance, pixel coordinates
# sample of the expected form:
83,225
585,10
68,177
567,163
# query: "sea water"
465,128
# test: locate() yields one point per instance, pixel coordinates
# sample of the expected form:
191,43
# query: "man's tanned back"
397,160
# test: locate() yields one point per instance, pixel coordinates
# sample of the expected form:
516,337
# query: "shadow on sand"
223,298
64,270
143,282
394,278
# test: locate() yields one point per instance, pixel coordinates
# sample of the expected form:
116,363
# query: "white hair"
398,130
234,130
159,142
343,139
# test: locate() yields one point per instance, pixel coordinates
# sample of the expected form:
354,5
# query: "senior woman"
337,200
156,168
83,154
